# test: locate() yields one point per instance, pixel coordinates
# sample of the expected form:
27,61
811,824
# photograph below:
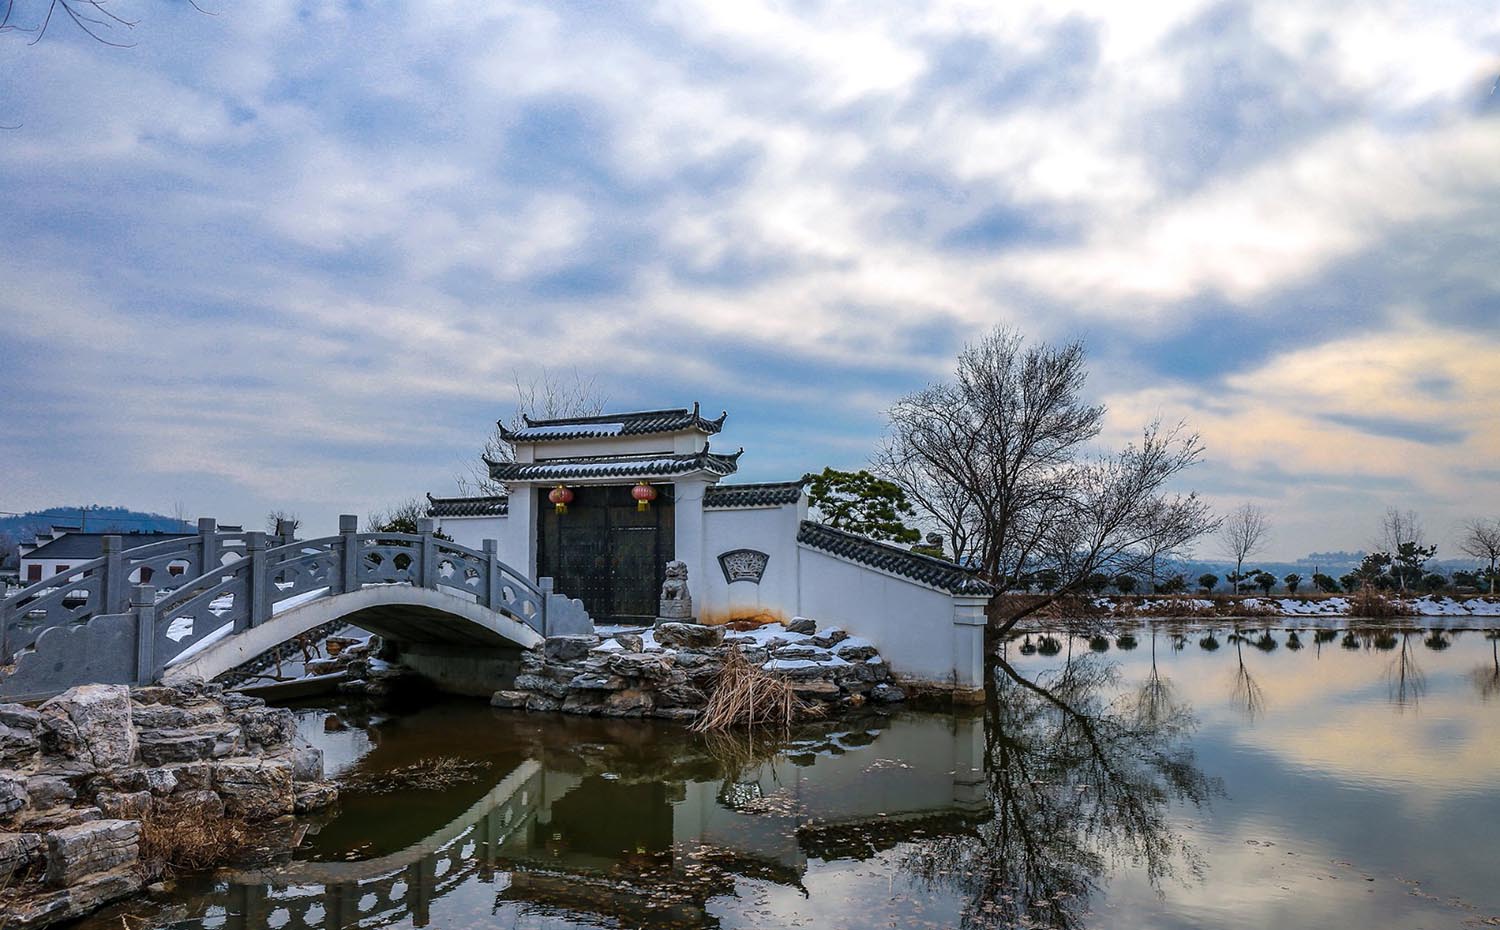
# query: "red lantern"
644,494
562,497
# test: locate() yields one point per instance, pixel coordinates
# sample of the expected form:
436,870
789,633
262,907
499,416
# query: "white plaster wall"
50,567
684,443
772,530
473,531
911,624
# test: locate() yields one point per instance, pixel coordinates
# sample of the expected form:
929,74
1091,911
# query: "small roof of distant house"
490,505
763,494
83,546
638,423
938,573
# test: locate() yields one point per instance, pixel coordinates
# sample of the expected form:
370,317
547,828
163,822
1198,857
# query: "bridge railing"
102,585
217,584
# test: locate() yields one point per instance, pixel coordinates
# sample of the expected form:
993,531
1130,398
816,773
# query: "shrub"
1370,602
188,839
1325,583
1207,582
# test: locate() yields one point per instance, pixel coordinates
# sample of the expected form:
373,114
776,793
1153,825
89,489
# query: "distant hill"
94,518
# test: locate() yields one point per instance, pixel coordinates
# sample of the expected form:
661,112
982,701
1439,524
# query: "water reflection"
1179,777
1079,777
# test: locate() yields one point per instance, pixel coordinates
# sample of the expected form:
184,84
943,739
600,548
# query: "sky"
297,255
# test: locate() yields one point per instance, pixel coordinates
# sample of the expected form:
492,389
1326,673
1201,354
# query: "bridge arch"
395,612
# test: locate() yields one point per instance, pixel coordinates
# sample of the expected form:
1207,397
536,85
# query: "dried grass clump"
189,839
1367,602
424,774
747,696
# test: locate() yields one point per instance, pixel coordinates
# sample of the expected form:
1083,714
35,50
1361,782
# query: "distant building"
64,548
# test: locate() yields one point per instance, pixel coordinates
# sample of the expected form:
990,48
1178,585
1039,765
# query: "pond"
1182,777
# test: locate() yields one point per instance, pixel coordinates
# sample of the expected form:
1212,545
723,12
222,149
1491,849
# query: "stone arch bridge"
204,604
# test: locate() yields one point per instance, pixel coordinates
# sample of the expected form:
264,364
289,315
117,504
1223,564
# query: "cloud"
296,247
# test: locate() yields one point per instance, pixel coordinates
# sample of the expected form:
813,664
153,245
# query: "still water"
1182,778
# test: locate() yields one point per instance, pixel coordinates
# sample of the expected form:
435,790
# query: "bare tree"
1242,534
282,523
1402,535
400,518
997,457
1481,539
542,397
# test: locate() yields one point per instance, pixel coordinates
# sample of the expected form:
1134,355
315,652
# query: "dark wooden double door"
605,552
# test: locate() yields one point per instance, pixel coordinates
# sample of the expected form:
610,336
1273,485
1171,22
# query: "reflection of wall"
920,765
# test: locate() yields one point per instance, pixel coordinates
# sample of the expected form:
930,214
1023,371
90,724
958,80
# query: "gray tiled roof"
616,466
937,573
493,505
764,494
85,546
637,423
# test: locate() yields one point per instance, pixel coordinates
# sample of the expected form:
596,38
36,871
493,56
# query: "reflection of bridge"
536,837
219,599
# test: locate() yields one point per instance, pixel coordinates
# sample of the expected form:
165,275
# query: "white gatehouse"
601,504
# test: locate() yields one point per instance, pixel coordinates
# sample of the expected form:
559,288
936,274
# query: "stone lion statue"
676,602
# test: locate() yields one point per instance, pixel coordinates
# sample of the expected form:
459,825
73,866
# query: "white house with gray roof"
751,552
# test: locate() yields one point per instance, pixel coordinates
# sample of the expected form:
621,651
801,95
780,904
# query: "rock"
354,686
307,764
756,655
509,700
829,637
90,723
681,696
254,788
267,727
817,689
314,796
235,700
675,635
323,666
692,658
19,735
156,694
630,642
633,702
74,852
160,747
797,669
86,896
47,790
203,803
593,681
583,702
539,684
802,625
855,650
568,648
58,817
873,671
887,694
123,805
13,794
543,703
172,717
802,651
639,665
19,854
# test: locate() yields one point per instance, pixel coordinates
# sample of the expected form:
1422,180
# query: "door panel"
606,553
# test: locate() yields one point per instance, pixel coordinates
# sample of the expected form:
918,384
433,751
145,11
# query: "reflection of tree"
1404,678
1077,782
1486,676
1246,692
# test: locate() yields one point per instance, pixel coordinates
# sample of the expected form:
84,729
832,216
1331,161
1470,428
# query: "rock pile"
669,670
79,773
